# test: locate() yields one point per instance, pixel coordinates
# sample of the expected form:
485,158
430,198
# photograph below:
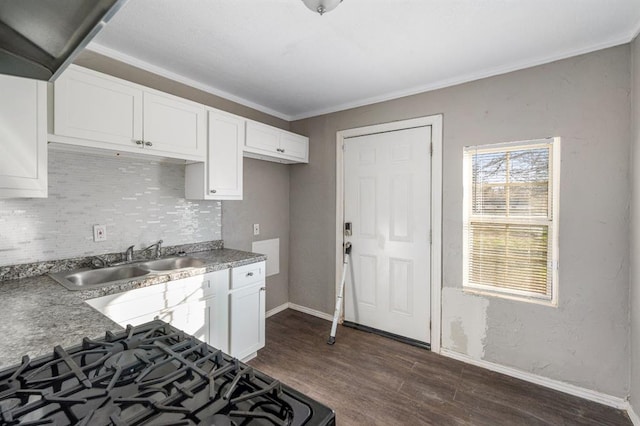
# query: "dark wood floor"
372,380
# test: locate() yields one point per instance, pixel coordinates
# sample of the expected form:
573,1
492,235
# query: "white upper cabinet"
220,178
23,138
96,110
294,146
270,143
174,125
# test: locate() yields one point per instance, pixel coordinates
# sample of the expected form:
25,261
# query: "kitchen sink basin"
94,277
172,263
86,278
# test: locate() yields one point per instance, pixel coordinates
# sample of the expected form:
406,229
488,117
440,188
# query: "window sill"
479,292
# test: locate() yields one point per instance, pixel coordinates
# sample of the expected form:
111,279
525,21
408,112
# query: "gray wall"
266,202
635,227
584,100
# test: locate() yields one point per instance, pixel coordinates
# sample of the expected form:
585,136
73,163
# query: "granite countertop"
37,313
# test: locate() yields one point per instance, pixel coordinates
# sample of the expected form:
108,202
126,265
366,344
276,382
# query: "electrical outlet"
99,233
256,229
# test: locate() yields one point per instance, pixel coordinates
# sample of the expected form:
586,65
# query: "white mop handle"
336,313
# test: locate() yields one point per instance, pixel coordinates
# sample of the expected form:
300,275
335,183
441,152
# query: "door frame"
435,121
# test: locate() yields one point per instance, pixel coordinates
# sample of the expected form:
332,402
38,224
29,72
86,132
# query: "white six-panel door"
387,200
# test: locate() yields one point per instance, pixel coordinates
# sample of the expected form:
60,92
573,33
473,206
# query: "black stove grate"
150,374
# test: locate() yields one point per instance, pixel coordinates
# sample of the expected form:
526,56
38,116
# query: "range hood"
40,38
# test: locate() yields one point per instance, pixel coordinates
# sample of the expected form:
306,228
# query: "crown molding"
478,75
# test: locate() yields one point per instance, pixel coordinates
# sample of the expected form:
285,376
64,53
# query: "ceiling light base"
321,6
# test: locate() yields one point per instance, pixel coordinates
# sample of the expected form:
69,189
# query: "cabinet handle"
139,142
279,149
249,274
282,150
148,143
263,289
213,191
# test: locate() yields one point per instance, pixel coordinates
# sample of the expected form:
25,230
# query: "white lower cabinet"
247,315
196,305
190,318
225,308
247,310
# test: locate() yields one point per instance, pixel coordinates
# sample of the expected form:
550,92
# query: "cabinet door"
226,139
23,137
217,310
262,137
99,109
190,318
217,319
174,126
247,312
294,146
272,144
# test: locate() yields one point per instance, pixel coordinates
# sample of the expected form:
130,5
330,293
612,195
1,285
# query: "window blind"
509,219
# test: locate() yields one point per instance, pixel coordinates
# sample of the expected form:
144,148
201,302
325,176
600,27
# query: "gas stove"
152,374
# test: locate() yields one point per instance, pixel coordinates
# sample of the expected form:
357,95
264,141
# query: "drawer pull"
249,274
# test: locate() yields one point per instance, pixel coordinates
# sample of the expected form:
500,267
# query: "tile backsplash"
139,200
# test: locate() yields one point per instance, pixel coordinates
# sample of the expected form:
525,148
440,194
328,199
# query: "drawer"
243,276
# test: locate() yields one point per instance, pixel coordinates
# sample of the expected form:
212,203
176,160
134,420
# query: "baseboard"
633,416
277,309
310,311
602,398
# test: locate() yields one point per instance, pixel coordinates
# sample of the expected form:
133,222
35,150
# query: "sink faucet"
129,253
157,248
99,262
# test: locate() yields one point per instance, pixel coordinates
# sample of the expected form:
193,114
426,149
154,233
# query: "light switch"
256,229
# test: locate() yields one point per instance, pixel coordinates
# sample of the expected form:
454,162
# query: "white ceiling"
281,58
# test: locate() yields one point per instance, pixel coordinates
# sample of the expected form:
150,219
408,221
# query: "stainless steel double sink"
86,278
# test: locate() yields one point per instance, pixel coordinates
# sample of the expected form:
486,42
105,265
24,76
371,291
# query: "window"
511,219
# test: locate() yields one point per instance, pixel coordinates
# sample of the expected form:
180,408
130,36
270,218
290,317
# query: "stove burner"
125,359
150,374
